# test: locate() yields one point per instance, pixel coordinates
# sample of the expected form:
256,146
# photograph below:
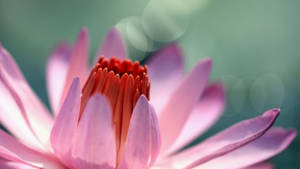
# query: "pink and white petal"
14,165
66,123
182,102
94,144
33,112
165,70
57,68
78,66
263,165
11,149
271,143
205,114
112,46
12,118
137,149
226,141
155,136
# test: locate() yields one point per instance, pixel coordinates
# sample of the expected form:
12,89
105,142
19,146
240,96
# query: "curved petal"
14,165
263,165
12,118
226,141
66,123
155,142
78,62
273,142
137,149
112,46
20,101
57,68
205,114
94,144
182,102
165,70
13,150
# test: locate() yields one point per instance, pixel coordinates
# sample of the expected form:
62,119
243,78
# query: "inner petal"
122,82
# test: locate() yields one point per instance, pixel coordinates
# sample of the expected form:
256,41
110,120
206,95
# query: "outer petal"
261,166
14,120
166,69
13,150
57,69
66,123
20,102
78,62
113,45
155,143
226,141
205,114
270,144
182,102
137,149
94,145
14,165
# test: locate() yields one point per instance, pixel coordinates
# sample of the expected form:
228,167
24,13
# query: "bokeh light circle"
165,20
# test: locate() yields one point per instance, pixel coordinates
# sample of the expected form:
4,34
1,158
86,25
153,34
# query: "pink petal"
226,141
13,150
261,166
78,62
14,165
66,123
166,69
137,149
113,45
182,102
57,69
205,114
13,119
94,145
273,142
155,136
20,102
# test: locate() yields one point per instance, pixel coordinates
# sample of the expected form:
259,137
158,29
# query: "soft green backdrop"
255,45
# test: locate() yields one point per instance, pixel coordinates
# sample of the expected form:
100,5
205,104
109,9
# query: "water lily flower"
123,115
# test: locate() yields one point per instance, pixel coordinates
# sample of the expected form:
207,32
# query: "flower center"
122,82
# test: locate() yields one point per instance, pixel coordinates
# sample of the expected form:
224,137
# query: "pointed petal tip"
174,50
84,30
142,101
113,45
273,112
83,34
113,31
291,132
61,49
218,85
143,97
207,60
204,65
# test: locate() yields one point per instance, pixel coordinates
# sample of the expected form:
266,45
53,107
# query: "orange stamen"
122,82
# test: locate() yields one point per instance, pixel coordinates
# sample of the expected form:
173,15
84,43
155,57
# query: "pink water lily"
125,115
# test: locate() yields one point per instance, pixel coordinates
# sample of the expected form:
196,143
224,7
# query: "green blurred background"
254,45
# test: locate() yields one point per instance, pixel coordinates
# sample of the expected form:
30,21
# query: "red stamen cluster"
122,82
